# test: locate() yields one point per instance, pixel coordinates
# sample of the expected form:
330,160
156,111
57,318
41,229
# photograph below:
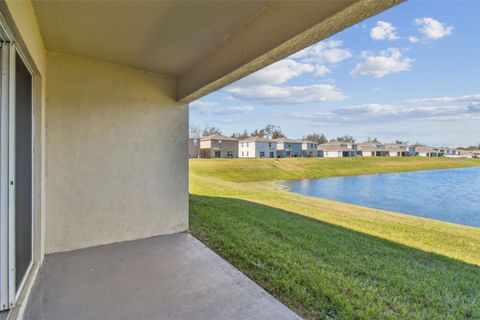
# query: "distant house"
398,150
256,147
287,148
193,147
447,152
425,151
336,149
218,146
309,149
468,153
371,149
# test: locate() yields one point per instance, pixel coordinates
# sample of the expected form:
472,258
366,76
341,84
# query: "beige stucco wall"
117,157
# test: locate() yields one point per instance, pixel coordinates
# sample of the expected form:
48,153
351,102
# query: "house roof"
204,44
286,140
424,149
395,147
368,143
333,147
218,137
336,143
257,139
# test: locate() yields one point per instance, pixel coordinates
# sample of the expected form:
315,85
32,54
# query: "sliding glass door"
16,173
23,171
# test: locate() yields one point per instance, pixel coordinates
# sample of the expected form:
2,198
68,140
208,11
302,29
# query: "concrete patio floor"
164,277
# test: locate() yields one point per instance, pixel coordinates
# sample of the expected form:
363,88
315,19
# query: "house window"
289,145
243,154
311,145
247,144
262,154
195,142
269,144
230,154
247,153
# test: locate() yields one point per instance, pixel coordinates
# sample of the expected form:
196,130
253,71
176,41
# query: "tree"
258,133
373,140
270,131
401,141
470,148
208,131
241,135
195,131
348,138
277,133
273,131
317,138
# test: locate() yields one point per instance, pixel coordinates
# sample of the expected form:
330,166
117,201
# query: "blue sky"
410,73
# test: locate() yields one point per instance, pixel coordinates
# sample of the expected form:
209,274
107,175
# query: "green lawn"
331,260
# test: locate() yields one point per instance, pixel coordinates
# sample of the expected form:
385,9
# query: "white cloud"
203,105
321,70
467,98
433,29
213,108
413,39
269,85
240,109
474,107
374,112
288,94
324,52
277,73
383,31
378,66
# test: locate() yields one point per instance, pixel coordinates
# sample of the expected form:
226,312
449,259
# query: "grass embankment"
326,259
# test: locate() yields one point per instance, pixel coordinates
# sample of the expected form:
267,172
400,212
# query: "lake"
451,195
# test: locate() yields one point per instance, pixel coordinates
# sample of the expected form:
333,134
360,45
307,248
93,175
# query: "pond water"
451,195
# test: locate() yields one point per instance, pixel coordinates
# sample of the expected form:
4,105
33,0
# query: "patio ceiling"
204,44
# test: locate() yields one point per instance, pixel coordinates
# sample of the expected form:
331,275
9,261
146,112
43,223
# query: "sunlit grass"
326,259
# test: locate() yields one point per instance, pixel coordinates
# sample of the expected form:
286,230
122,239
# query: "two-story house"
288,148
309,149
193,147
335,149
218,146
398,150
425,151
257,147
371,149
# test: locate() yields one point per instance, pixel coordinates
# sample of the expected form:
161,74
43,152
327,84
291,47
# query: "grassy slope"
346,262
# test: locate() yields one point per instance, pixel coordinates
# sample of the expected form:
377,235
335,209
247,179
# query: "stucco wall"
117,155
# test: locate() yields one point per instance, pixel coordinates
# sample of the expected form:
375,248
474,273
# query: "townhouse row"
220,146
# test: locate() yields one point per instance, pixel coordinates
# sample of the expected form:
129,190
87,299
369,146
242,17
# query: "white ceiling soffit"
205,44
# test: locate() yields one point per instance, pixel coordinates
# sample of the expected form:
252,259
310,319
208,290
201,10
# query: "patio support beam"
280,29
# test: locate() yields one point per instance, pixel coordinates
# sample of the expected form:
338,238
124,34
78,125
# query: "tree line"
270,131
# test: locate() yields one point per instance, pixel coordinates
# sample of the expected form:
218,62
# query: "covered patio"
164,277
94,150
